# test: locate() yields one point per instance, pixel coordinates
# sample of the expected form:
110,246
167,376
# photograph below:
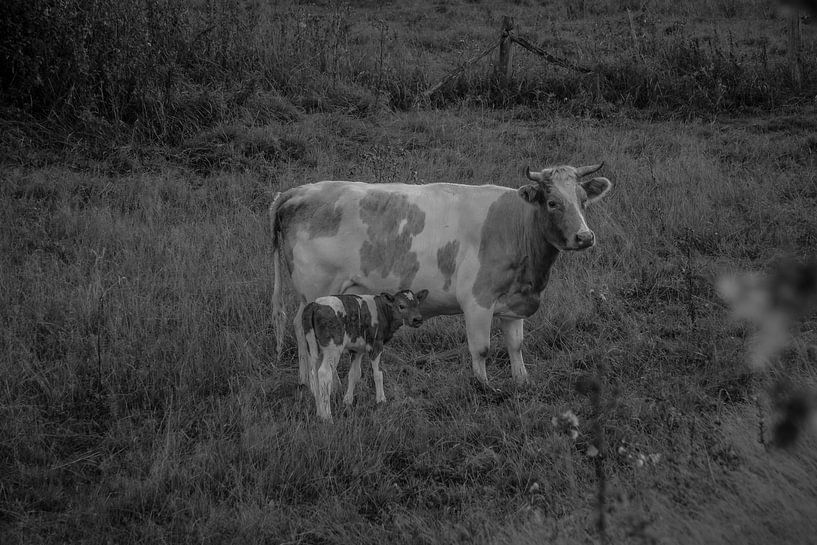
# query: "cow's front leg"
303,358
380,395
354,376
478,330
514,333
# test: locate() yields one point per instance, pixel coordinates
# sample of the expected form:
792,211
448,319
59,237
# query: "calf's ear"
531,193
388,297
422,294
596,188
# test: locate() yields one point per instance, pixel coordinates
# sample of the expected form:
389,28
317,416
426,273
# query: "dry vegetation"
140,399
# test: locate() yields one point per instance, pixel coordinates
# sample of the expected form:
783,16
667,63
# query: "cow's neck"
541,254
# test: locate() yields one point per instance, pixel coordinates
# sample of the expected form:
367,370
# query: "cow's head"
405,306
562,196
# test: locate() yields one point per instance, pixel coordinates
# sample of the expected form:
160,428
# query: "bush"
169,68
129,63
163,70
101,55
678,77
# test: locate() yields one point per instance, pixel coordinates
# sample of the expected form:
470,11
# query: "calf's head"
405,306
562,196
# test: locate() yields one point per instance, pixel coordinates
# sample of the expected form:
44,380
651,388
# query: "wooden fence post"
635,37
599,96
503,69
793,49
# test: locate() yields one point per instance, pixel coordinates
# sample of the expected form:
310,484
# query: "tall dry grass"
142,400
160,71
139,393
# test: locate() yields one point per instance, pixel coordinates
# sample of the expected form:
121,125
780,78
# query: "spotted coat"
361,324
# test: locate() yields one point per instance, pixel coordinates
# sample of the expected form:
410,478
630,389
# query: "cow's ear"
387,296
532,193
422,294
596,188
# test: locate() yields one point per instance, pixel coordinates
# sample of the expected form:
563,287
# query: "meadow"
140,396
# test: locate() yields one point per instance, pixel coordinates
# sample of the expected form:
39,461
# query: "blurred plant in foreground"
772,303
566,423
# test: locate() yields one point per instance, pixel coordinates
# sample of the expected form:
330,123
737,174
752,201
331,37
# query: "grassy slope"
140,398
181,426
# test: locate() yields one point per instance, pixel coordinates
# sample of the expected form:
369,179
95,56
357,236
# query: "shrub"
163,70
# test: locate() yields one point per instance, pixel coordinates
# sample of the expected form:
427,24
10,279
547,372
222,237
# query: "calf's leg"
323,393
354,376
380,395
313,355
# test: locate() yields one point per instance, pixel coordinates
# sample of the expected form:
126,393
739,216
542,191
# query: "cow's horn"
532,176
590,169
542,177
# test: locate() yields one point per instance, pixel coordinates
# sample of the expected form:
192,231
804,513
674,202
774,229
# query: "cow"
355,323
481,251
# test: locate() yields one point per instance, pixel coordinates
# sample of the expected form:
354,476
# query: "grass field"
140,396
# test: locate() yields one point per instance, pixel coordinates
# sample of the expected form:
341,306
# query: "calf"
359,324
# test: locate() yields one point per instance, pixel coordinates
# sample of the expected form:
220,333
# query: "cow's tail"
312,350
277,304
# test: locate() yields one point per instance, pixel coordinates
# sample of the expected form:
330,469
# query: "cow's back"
385,236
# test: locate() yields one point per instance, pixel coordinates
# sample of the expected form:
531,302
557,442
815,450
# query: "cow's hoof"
521,382
483,387
499,396
489,393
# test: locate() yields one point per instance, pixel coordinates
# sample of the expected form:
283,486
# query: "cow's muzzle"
416,322
584,239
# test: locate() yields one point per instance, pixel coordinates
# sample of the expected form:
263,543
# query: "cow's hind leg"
478,329
514,333
303,357
354,377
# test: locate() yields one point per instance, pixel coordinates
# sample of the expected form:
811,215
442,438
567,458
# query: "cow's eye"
552,204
